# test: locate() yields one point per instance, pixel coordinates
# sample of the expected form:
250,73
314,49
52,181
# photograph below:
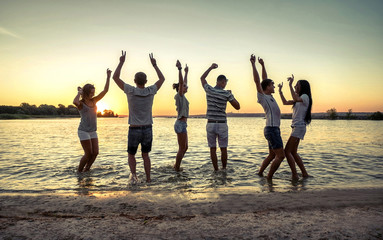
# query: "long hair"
176,86
86,91
305,89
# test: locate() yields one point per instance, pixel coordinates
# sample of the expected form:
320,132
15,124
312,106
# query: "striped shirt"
217,99
273,114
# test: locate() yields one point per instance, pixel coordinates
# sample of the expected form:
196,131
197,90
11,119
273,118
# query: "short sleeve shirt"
273,113
299,111
140,102
217,99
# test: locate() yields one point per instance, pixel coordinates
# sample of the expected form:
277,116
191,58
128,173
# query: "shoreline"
315,116
213,214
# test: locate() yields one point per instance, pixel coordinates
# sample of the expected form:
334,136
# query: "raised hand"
122,58
108,72
260,60
79,89
280,86
291,79
152,60
178,65
186,69
214,66
252,59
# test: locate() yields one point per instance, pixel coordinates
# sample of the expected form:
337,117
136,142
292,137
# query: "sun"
101,106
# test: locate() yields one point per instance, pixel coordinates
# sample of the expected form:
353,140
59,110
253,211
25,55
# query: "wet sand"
222,214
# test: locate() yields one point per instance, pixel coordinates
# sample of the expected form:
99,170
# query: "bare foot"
176,169
133,178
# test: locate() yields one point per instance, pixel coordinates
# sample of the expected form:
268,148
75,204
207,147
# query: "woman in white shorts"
182,114
87,130
302,103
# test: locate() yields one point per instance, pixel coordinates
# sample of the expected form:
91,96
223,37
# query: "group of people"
140,102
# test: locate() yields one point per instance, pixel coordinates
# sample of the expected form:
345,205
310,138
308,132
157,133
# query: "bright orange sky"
47,49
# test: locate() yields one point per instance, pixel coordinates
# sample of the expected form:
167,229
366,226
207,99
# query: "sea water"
42,156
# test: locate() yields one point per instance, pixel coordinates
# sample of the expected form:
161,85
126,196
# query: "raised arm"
285,102
117,72
180,79
106,88
204,75
264,73
161,77
76,100
255,74
186,75
296,97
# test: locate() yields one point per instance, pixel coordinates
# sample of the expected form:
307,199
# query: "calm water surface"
38,156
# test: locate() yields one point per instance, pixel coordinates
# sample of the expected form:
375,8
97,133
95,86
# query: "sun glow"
101,106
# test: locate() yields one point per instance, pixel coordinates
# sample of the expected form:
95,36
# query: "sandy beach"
218,214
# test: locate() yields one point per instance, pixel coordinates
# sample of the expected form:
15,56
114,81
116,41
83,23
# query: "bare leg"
279,156
299,161
132,163
87,146
290,146
224,157
266,162
182,148
147,166
213,156
94,154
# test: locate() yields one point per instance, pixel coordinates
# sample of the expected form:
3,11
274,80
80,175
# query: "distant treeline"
43,109
333,115
47,110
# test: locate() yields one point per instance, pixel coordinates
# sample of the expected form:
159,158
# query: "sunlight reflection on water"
42,155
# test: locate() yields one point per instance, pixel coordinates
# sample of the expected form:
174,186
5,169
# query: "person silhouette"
182,104
140,103
87,130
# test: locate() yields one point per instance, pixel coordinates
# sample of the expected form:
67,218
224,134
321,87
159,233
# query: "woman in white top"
302,103
87,130
182,114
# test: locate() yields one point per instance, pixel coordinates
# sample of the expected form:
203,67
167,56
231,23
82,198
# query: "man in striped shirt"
216,127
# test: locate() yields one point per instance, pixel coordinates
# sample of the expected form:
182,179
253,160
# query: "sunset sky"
48,48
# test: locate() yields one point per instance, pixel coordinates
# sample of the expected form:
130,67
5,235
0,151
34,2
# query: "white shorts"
298,131
86,135
217,130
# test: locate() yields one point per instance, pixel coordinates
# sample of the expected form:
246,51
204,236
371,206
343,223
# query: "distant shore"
217,214
323,115
7,116
340,116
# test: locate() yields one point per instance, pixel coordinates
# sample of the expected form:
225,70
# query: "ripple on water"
31,163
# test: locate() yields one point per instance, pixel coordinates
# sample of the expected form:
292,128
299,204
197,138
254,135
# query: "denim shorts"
273,136
298,131
86,135
217,130
137,135
180,126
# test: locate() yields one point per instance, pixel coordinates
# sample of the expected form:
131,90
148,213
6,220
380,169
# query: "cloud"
4,31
